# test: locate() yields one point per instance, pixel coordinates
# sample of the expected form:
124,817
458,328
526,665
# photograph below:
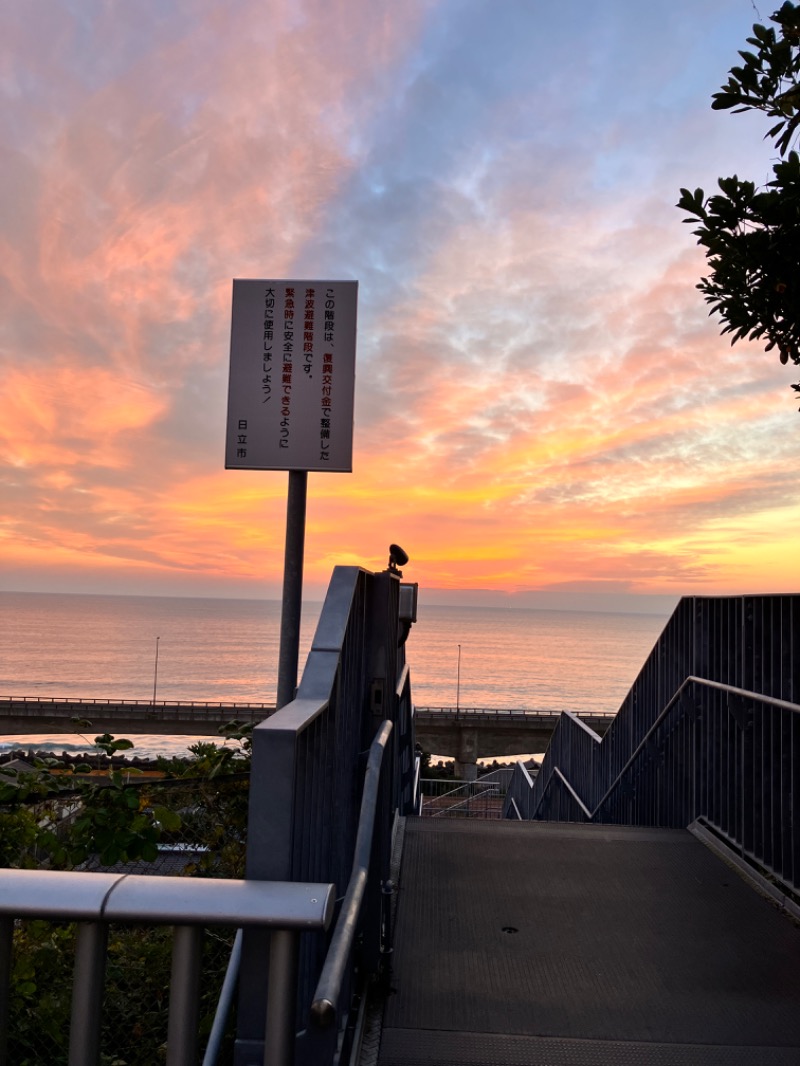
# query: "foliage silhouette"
51,817
751,235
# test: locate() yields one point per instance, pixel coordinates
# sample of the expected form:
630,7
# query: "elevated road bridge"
472,733
24,714
464,734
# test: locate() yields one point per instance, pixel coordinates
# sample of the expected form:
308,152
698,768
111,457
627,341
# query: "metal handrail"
95,900
582,725
462,786
304,810
402,680
755,697
224,1003
325,1003
573,793
501,774
491,790
731,690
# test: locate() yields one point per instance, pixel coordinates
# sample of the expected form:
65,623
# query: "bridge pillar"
466,767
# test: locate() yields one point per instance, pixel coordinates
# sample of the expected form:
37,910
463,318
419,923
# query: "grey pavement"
535,944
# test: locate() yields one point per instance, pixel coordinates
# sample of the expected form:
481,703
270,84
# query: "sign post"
292,603
290,407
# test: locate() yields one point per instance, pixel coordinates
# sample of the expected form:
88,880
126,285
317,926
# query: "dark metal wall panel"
721,755
792,839
308,770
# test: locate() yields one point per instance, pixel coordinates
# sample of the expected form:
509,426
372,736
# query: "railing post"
184,1000
87,994
270,833
386,656
281,1001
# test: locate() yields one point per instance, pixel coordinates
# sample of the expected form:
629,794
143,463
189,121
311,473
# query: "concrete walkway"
551,945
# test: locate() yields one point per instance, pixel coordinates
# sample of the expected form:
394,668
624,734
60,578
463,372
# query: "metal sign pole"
291,608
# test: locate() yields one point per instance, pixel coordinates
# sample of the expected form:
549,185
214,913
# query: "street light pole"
155,673
458,682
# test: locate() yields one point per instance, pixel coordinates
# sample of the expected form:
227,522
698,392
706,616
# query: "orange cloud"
66,415
540,401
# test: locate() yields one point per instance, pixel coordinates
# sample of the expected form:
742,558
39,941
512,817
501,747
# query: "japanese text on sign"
287,407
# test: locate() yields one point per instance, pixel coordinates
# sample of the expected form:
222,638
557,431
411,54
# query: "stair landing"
536,944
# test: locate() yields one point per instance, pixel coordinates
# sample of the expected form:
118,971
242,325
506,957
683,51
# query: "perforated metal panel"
410,1047
547,943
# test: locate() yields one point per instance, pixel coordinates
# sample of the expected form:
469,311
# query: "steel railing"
326,1004
502,714
96,900
309,762
7,702
482,798
705,748
320,818
463,799
716,753
326,1001
23,713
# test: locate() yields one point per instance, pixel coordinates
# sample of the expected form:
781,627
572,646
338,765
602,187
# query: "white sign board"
292,375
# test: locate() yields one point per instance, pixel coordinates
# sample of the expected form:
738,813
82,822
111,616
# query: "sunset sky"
543,407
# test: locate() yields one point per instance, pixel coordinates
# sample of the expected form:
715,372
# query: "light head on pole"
397,558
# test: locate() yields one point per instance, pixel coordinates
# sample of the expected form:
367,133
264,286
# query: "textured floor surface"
547,945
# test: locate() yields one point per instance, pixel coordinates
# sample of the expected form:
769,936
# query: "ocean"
89,646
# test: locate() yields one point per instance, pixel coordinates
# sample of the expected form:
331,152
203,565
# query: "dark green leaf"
121,745
169,820
149,852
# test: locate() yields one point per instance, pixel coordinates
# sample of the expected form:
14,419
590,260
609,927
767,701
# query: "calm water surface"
227,650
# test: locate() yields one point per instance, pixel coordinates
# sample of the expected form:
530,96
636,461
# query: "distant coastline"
660,605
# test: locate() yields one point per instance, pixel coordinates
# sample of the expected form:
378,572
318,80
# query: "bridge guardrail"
506,712
107,701
74,701
23,713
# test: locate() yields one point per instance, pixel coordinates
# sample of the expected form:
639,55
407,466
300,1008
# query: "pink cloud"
65,415
539,398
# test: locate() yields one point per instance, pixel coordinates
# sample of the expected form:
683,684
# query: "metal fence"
466,799
721,745
208,819
96,900
483,798
308,769
330,773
